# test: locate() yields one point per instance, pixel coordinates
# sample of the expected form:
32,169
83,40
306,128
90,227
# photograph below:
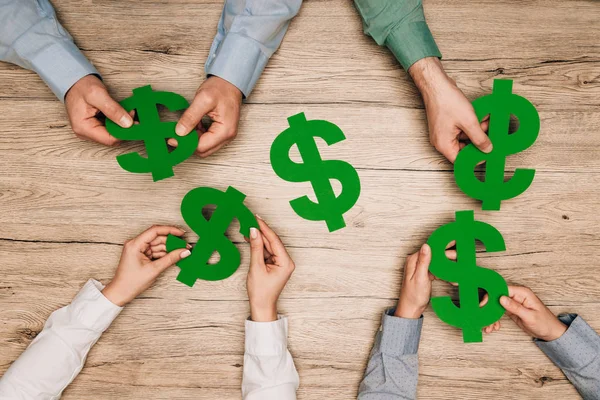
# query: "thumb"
256,248
111,109
170,259
423,262
201,105
477,136
513,307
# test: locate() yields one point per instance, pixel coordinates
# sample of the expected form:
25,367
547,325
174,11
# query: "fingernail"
503,300
489,148
189,246
425,249
180,130
126,121
185,254
258,216
253,233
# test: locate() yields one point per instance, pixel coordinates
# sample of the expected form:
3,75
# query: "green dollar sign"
470,277
211,233
154,133
499,105
319,172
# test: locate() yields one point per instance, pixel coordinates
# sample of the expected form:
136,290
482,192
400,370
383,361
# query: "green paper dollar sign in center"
328,207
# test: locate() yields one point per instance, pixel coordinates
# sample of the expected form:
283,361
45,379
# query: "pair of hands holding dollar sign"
452,120
88,99
145,257
522,305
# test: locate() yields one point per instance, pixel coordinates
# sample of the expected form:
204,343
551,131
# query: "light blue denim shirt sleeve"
32,37
393,368
248,34
577,354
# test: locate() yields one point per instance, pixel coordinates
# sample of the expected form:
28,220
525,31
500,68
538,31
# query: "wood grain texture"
66,206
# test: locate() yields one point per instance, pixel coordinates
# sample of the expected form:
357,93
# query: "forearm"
400,25
247,36
32,37
577,354
392,370
269,370
57,355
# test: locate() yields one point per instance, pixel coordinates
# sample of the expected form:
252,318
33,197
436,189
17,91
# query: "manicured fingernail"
180,130
259,217
189,246
185,254
425,249
253,233
126,121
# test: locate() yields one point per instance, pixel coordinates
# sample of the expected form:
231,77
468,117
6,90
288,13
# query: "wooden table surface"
66,207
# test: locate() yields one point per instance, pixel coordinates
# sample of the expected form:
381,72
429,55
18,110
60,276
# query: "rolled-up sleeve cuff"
239,60
411,42
92,309
576,348
61,65
266,338
400,336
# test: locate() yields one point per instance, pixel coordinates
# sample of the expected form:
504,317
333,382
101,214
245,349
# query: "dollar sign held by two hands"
211,233
154,133
470,277
499,105
319,172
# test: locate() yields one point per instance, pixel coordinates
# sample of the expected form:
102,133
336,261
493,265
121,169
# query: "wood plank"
66,206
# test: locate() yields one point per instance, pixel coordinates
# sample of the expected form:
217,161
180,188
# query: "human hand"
270,269
451,118
530,314
84,101
416,285
137,270
221,101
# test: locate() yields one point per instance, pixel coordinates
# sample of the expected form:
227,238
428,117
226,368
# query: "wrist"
408,311
428,74
114,296
266,313
556,331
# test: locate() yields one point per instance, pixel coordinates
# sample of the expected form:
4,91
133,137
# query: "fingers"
422,268
492,328
514,307
218,135
94,130
484,301
170,259
150,234
410,267
449,150
451,254
257,256
277,247
477,135
100,99
201,105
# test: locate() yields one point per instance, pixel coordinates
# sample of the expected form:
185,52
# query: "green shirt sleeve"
400,25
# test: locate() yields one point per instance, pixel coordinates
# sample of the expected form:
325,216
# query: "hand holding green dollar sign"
154,133
470,277
319,172
230,205
499,105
